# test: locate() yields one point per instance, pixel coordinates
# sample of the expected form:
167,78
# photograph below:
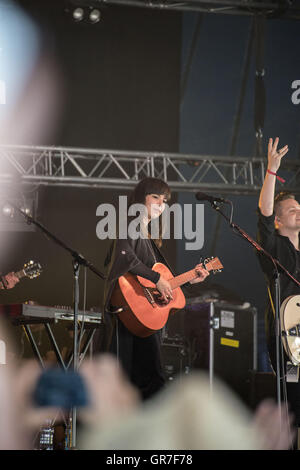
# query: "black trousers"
139,357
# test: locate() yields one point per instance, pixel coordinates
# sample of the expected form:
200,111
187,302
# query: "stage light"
78,14
26,210
11,219
83,14
7,210
95,16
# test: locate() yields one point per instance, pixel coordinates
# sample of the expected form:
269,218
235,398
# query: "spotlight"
26,210
7,210
95,16
78,14
11,219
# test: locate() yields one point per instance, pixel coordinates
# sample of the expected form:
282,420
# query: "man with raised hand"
278,234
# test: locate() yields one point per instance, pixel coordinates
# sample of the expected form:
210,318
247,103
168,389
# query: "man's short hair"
282,196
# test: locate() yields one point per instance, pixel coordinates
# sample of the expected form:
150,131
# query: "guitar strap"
154,248
297,264
151,248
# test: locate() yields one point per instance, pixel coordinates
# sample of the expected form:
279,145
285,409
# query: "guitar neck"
183,278
29,270
20,274
211,264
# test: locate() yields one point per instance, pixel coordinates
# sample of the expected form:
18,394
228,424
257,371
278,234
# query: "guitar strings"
283,375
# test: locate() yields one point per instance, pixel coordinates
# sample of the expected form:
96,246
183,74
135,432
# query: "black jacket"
282,249
134,256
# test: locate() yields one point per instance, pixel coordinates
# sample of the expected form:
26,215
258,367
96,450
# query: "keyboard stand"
26,322
34,346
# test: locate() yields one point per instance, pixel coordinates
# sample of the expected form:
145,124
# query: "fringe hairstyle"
151,186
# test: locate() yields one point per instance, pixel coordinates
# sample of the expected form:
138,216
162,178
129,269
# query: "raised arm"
266,199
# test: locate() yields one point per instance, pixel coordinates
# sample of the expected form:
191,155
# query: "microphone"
212,199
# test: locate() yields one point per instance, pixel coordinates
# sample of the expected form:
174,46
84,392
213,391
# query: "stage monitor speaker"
223,338
175,356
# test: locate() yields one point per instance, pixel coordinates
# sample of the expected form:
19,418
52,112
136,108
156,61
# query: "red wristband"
275,174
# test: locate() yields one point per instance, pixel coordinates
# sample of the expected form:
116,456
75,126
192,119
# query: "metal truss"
120,170
271,8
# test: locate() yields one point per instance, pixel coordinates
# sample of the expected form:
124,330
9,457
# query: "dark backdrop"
121,75
209,108
121,91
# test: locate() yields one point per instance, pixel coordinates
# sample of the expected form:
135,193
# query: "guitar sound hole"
298,305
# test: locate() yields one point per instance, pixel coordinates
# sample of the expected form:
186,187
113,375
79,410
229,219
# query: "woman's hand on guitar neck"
164,288
201,272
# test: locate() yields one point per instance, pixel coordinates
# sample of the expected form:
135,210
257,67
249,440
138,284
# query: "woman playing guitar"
140,356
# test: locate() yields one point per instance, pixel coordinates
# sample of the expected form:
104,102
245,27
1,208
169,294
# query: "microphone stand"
77,260
277,265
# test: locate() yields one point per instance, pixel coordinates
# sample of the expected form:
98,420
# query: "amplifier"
175,356
222,338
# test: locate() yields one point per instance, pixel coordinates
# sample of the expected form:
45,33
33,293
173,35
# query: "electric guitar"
290,327
139,304
30,270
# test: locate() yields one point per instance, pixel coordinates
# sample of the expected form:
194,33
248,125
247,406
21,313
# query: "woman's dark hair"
151,186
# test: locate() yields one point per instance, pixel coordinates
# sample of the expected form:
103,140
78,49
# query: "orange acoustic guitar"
138,302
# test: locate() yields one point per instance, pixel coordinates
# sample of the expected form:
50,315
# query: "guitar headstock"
213,264
32,269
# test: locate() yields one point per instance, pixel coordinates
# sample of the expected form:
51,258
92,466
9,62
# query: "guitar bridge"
149,296
153,296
